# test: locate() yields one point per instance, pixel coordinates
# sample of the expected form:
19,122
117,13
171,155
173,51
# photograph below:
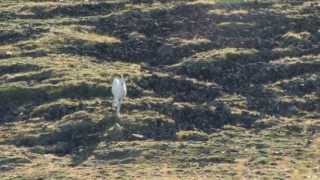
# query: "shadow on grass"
20,34
169,36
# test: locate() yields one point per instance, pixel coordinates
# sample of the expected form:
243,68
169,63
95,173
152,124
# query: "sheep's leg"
120,101
116,105
118,109
114,102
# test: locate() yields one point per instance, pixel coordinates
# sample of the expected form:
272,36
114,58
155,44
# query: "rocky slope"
216,90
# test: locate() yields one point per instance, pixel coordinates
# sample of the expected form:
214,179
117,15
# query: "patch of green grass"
192,135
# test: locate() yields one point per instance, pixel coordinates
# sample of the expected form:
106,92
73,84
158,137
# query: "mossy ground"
217,90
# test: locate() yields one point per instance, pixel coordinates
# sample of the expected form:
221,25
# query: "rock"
137,136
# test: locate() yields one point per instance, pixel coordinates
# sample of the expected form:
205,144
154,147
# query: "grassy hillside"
216,90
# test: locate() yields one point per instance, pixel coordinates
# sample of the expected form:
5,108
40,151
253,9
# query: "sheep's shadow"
76,137
81,153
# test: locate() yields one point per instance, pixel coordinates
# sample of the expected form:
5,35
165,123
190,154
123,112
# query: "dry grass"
69,32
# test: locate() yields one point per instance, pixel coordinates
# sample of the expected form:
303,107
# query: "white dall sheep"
119,91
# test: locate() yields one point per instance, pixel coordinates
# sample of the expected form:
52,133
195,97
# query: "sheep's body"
119,91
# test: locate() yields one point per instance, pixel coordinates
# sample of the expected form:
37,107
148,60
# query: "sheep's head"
124,78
